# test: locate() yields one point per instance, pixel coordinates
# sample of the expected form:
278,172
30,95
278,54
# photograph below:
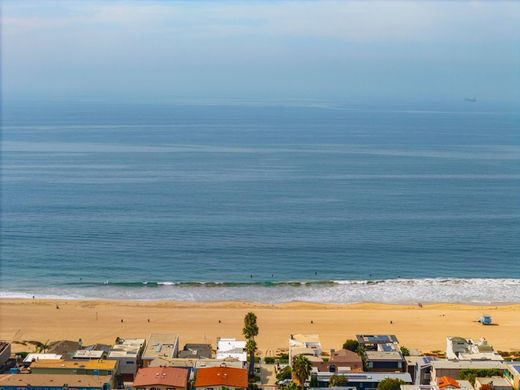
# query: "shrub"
270,360
405,351
284,373
390,384
351,345
338,380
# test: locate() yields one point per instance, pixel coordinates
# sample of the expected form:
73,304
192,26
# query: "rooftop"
88,354
41,356
165,376
344,355
195,363
221,376
447,364
494,381
376,339
160,344
128,348
369,376
51,380
196,351
380,355
73,364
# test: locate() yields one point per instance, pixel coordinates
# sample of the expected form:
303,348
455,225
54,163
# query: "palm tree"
42,347
249,331
301,368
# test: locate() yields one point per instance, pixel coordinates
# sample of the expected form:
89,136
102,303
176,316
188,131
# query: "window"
129,362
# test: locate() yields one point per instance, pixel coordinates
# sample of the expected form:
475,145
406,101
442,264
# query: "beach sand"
100,321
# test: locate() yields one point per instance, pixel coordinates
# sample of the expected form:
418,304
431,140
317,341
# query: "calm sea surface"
249,201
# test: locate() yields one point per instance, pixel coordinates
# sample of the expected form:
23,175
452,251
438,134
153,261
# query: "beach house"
220,378
231,349
340,361
420,368
160,345
459,348
196,363
161,378
54,382
196,351
308,345
451,368
127,353
382,353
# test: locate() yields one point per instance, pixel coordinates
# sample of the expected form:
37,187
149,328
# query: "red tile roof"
167,376
221,376
447,381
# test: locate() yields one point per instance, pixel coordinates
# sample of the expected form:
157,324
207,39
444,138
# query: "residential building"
452,368
5,352
160,345
377,342
218,378
340,361
86,354
54,382
492,383
419,368
385,361
362,380
196,351
196,363
127,353
231,349
305,344
459,348
161,378
75,367
512,373
34,357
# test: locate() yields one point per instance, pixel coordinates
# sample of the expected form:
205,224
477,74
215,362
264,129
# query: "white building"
34,357
86,354
128,355
459,348
231,349
304,344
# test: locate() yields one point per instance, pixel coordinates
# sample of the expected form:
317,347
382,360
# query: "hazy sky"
153,51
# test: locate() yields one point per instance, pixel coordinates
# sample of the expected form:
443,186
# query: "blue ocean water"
262,202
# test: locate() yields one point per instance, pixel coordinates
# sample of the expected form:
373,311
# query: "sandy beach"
100,321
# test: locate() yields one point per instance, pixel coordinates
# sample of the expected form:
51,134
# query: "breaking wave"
406,291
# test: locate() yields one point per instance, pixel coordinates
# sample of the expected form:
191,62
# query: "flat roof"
52,380
41,356
380,355
88,354
160,344
467,364
195,363
495,380
368,376
73,364
376,339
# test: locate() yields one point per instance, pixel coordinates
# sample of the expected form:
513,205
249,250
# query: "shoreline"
424,328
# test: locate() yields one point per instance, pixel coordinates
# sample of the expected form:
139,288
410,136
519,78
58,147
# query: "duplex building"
74,367
382,353
340,361
362,380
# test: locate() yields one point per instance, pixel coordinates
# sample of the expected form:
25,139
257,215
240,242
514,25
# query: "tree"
292,386
284,373
351,345
405,351
249,331
390,384
338,381
301,368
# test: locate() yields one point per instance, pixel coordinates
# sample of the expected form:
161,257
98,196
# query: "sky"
158,50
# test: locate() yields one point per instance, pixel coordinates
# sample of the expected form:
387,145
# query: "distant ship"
470,99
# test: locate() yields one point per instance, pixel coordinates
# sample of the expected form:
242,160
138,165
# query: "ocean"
261,201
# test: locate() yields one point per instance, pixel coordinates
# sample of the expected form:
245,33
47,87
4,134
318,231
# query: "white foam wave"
481,291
